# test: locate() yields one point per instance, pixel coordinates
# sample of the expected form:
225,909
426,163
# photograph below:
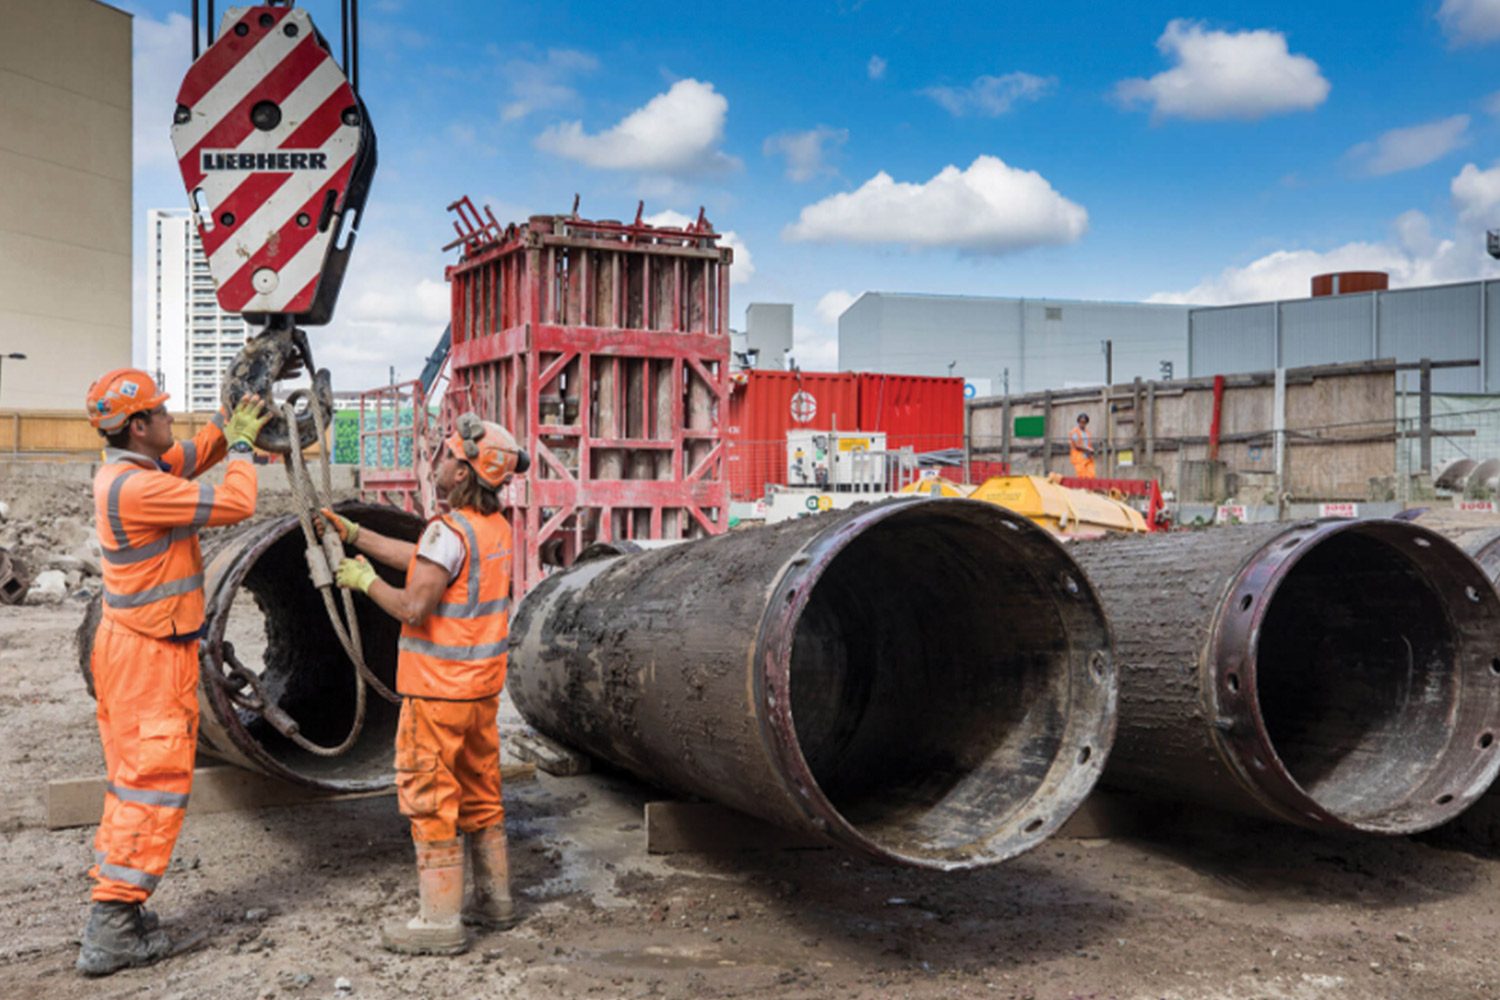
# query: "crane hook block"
277,154
278,352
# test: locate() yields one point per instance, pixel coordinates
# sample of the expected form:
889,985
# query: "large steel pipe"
928,682
264,614
1337,674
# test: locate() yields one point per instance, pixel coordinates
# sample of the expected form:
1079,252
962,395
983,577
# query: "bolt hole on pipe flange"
942,692
1370,685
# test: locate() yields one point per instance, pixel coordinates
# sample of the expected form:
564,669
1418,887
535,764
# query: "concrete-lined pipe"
263,612
929,682
1337,674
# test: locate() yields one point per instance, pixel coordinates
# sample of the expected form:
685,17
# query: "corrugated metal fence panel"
1327,331
767,404
1231,340
915,411
1441,323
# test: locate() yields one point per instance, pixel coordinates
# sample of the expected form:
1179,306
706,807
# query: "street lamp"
14,356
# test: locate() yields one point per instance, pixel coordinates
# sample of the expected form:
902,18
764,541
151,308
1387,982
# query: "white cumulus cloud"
831,306
876,68
989,208
813,350
743,268
1408,148
992,96
675,133
538,84
1412,254
1223,74
806,152
1470,22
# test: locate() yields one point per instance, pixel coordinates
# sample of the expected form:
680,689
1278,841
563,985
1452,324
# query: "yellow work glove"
246,421
347,529
356,574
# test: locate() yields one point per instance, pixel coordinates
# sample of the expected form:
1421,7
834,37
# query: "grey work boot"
491,905
117,937
436,929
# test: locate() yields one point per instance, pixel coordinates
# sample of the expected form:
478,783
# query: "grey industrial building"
1056,344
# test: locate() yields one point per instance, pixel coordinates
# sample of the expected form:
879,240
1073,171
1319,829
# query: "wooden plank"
80,801
549,755
707,828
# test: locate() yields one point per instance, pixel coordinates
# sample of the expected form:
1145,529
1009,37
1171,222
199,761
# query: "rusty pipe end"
1354,677
936,679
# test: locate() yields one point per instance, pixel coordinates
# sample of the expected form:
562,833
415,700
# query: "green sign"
1030,427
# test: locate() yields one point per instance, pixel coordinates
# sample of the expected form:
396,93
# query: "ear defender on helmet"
488,448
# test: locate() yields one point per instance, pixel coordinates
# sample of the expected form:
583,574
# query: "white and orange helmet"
489,449
118,395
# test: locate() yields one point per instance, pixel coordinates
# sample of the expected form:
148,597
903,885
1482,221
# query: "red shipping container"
764,405
922,412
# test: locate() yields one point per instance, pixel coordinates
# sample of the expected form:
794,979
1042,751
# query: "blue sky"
1218,152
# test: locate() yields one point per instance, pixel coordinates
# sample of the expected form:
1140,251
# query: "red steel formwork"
764,405
604,347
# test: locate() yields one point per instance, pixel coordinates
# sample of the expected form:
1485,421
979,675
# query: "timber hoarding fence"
1325,432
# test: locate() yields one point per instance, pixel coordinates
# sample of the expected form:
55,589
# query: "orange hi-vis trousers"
148,721
448,766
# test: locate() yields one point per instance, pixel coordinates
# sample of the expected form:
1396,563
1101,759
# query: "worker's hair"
473,494
120,438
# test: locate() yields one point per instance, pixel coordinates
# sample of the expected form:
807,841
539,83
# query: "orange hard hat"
117,396
489,448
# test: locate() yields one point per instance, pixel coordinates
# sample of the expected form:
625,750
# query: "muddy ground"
1220,908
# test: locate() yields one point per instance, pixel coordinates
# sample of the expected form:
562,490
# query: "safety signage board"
1475,506
1227,513
1338,510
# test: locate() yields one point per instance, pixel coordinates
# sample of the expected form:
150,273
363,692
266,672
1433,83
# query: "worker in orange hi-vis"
145,656
1081,448
450,668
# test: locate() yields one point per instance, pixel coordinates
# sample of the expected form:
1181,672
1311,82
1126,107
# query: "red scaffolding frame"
604,347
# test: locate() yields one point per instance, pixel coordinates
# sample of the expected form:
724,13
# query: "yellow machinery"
1057,508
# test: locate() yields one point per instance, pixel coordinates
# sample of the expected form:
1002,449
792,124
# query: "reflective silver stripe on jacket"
112,509
139,879
494,607
205,506
99,856
150,550
189,458
144,597
488,651
473,557
147,797
218,420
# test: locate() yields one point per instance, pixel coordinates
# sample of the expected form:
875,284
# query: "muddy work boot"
117,937
436,929
491,905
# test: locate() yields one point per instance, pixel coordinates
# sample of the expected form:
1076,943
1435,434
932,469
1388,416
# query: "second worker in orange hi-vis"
1081,448
454,611
145,658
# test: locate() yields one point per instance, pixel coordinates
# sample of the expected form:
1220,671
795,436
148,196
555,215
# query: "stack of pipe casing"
296,655
1341,675
927,682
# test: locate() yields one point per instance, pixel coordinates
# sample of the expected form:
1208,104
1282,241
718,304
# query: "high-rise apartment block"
190,341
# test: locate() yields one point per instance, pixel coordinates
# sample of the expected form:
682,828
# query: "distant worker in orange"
1081,448
455,612
145,656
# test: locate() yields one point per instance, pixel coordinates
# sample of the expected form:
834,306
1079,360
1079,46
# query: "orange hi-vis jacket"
1078,440
459,652
147,515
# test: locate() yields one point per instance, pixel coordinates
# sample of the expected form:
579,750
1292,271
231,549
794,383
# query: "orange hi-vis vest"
458,653
1078,440
147,516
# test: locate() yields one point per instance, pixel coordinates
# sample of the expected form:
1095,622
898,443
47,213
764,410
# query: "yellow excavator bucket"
1059,509
938,487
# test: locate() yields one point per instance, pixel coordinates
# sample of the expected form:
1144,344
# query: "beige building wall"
65,163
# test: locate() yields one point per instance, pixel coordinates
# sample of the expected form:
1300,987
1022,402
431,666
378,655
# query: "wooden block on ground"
1108,813
80,801
707,828
550,755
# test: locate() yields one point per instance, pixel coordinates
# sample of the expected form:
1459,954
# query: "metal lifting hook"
281,351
